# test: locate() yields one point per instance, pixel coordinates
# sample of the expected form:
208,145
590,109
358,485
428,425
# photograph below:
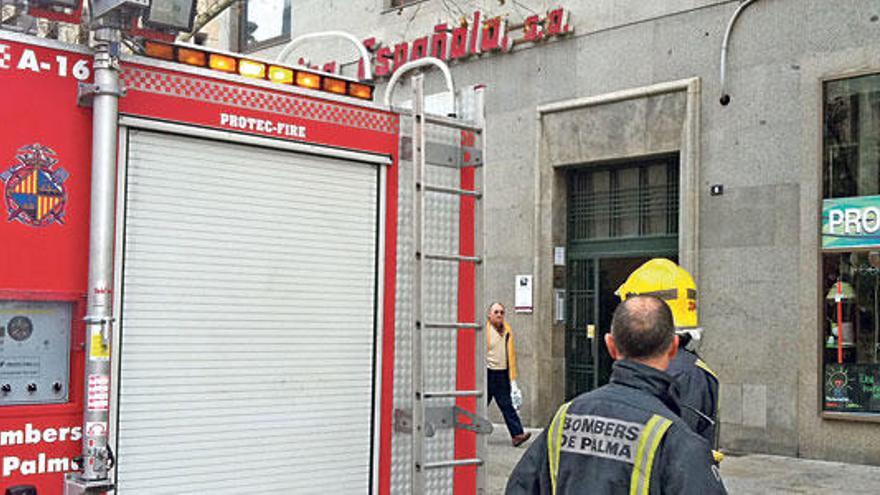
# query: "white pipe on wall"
725,97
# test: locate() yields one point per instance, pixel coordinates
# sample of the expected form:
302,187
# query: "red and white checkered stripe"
206,90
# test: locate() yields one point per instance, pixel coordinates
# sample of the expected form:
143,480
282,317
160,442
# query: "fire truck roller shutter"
247,320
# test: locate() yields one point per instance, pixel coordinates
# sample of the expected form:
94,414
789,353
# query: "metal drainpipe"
96,457
725,98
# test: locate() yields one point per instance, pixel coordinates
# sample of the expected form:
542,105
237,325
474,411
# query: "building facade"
608,144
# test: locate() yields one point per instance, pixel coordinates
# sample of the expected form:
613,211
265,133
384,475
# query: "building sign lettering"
851,222
474,37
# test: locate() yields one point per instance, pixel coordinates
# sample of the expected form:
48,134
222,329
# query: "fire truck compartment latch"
85,93
441,418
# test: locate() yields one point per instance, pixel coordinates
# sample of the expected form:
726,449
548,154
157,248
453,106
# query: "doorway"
619,217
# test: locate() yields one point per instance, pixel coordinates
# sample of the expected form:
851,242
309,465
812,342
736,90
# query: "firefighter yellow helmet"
662,278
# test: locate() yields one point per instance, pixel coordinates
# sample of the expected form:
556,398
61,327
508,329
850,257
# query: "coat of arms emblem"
34,188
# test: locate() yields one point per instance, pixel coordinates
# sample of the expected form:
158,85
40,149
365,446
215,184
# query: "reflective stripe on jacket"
625,437
511,349
649,441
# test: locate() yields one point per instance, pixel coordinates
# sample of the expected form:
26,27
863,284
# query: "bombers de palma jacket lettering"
624,438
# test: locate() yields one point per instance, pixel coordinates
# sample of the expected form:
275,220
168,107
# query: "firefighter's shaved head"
642,329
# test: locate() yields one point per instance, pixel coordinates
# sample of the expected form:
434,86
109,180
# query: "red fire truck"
289,304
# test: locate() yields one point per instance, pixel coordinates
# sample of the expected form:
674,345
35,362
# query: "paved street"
750,474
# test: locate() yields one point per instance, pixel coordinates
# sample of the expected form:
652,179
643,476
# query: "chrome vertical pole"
96,457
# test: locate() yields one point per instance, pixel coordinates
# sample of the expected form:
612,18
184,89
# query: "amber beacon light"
223,63
255,69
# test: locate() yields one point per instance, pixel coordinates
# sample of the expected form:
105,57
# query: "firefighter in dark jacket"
697,383
627,436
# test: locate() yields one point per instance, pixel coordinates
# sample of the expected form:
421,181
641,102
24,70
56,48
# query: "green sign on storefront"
851,222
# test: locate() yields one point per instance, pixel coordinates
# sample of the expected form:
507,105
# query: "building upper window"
264,23
852,137
850,287
640,200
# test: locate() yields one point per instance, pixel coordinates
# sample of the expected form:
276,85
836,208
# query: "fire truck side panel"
44,189
30,99
247,319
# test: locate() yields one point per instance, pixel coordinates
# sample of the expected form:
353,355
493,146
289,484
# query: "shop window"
264,23
851,245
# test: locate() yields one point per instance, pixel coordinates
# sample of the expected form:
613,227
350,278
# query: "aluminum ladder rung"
452,190
453,393
441,120
453,463
457,325
452,257
451,122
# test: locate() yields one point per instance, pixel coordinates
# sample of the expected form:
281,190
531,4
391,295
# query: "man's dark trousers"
499,389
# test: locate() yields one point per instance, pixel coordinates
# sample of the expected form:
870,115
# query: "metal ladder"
424,419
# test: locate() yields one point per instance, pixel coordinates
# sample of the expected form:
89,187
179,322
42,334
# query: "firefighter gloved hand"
515,395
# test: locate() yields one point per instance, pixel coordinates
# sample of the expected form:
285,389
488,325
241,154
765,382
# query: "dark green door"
580,366
619,217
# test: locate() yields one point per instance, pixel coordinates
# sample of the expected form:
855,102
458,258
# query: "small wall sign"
523,294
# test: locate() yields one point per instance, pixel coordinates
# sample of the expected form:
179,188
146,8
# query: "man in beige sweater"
501,361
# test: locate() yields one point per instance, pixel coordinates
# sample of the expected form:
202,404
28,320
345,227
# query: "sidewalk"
748,474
